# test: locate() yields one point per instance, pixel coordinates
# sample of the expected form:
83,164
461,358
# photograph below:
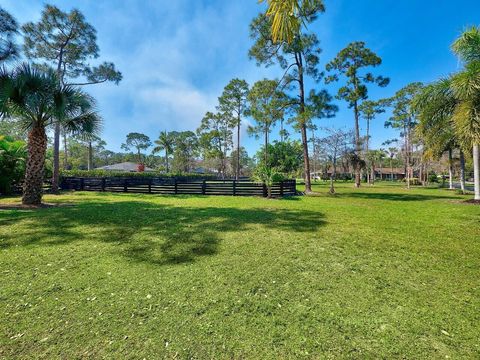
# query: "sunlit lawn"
380,272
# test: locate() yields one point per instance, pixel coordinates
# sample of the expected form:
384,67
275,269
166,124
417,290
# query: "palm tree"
35,98
374,157
392,151
287,17
453,104
164,142
466,87
369,110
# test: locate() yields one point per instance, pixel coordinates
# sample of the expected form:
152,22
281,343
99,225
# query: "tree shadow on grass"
393,196
153,233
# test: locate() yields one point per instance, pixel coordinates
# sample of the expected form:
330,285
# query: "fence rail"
174,186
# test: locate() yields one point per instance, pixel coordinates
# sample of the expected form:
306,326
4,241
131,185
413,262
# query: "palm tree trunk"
476,170
33,184
462,171
450,169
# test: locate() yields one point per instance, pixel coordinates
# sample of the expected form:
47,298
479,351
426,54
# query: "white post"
476,170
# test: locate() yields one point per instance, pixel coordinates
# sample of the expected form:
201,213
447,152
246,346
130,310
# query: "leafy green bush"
432,178
12,163
413,181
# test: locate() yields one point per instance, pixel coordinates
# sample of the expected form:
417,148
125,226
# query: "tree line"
47,93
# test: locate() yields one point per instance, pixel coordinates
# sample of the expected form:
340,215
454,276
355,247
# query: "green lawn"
378,272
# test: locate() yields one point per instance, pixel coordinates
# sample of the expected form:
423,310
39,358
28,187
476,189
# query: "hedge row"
107,173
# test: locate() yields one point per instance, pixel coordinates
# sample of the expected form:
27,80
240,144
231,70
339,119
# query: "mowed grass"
376,272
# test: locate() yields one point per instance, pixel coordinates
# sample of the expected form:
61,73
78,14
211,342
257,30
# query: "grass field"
378,272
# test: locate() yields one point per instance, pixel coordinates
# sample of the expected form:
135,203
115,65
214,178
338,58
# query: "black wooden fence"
174,186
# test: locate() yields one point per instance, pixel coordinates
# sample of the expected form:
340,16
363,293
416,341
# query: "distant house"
124,166
384,173
387,173
199,170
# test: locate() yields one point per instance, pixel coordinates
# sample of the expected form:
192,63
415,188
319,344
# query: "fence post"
265,192
281,188
82,184
103,184
125,185
204,186
234,187
176,189
150,185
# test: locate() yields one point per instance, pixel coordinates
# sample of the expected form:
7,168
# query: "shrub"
268,176
12,163
413,181
432,178
107,173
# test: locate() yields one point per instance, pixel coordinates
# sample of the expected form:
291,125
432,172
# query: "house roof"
124,166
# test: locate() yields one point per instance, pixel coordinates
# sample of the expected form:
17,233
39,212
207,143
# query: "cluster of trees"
432,119
449,109
46,94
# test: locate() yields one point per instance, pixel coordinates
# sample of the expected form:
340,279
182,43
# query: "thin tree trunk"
357,145
314,156
303,128
166,159
369,180
33,184
450,169
420,175
56,135
372,175
56,158
65,151
391,169
306,162
90,156
334,174
462,171
237,170
407,155
266,147
281,129
476,170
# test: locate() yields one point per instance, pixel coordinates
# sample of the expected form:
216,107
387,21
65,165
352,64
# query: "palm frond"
467,46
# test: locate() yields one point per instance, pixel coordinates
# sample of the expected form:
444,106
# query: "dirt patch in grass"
472,202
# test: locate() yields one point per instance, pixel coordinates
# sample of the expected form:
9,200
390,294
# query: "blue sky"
176,56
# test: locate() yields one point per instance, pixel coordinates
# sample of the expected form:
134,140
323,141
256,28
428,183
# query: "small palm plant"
268,176
165,142
37,100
